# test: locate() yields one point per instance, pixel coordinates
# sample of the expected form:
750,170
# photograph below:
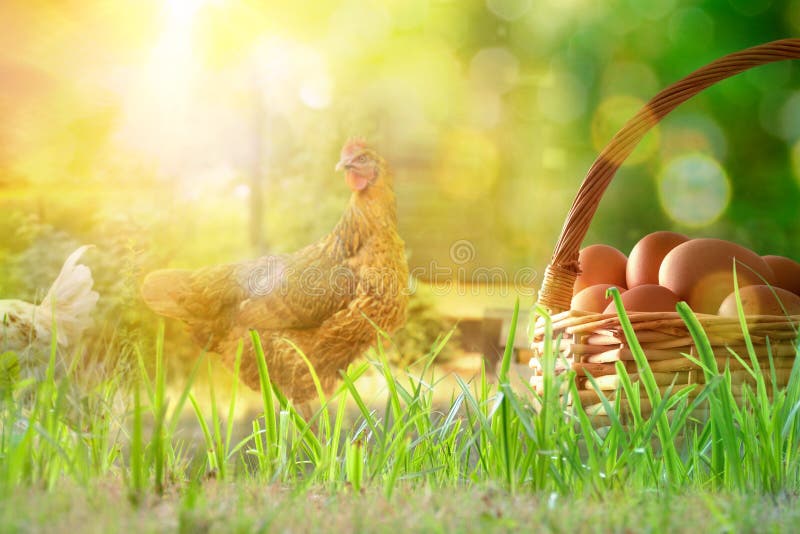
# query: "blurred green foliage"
150,137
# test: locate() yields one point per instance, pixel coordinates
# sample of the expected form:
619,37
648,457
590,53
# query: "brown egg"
787,272
760,300
646,298
645,257
593,298
600,264
700,271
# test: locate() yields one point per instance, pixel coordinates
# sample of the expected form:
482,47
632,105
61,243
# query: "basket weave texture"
593,343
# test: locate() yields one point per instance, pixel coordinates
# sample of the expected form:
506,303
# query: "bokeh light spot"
408,14
494,69
315,92
694,189
508,9
693,132
629,77
241,191
359,26
691,25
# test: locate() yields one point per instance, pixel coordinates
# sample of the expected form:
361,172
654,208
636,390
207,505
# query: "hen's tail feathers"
164,291
71,299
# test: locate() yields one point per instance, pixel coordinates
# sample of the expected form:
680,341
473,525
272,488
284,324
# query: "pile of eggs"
666,267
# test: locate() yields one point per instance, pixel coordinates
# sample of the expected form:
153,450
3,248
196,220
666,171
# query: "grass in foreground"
533,457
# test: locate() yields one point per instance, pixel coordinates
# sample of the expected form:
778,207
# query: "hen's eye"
362,158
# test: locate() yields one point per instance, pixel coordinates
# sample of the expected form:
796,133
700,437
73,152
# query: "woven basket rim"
574,318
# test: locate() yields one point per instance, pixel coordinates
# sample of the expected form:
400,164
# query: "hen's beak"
342,165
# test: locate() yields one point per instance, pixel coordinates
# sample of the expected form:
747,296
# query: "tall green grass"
488,433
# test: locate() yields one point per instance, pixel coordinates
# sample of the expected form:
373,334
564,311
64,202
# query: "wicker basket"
594,342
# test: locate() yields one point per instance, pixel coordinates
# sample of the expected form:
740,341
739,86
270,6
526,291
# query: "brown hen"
322,298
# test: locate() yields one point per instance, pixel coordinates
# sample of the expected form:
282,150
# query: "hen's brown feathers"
322,297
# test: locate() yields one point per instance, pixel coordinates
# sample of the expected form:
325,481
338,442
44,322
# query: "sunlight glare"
182,12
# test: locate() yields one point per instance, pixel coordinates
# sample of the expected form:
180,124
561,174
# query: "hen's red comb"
354,144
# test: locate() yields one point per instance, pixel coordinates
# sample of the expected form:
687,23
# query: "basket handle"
559,277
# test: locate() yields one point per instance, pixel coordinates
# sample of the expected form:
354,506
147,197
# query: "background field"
206,131
183,133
